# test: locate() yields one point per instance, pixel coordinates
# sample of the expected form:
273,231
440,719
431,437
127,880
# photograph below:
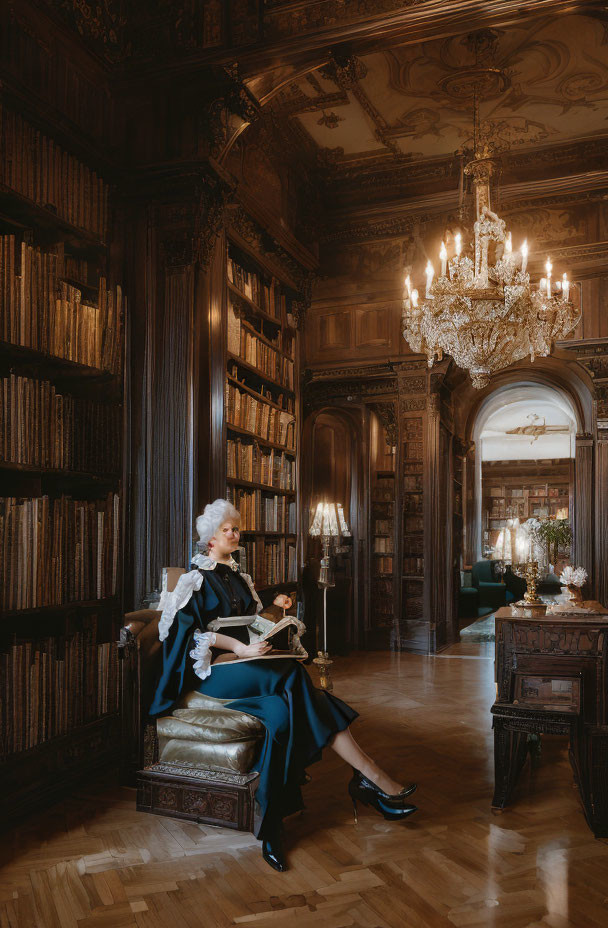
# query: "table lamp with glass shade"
330,526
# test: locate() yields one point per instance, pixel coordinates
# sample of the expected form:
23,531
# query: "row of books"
54,685
41,427
413,545
265,392
38,168
413,502
383,545
383,526
413,566
245,344
263,513
412,482
383,565
270,563
40,310
257,417
382,587
268,296
56,551
258,465
413,523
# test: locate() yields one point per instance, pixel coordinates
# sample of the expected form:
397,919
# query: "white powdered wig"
214,515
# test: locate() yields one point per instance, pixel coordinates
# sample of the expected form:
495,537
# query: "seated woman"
299,719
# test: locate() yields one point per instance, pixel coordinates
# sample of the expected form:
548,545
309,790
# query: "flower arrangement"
573,576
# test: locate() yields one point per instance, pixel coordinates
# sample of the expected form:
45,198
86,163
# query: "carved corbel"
388,417
233,101
212,198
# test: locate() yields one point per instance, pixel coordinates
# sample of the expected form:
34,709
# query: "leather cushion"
234,756
214,727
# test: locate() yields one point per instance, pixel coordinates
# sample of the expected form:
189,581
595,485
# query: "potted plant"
554,534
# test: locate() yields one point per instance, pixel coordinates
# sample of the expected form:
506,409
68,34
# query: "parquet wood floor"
93,862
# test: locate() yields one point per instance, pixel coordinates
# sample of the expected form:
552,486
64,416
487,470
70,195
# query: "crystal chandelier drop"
482,310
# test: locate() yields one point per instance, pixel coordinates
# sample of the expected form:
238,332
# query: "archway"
525,433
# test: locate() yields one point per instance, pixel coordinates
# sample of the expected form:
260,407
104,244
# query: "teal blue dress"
299,719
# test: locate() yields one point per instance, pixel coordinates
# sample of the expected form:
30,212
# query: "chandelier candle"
443,255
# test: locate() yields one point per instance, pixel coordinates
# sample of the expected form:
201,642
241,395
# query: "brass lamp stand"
531,602
330,525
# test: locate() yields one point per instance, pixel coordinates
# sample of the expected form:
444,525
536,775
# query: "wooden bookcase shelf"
59,473
24,214
236,481
60,525
285,449
60,608
261,396
259,373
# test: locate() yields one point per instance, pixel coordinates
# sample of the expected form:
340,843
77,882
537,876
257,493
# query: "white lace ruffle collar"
204,562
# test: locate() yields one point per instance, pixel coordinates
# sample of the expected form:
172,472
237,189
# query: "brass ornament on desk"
329,524
531,603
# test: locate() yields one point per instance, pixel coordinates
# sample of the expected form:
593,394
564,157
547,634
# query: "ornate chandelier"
482,310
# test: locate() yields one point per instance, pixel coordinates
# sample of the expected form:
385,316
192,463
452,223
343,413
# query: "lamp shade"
329,521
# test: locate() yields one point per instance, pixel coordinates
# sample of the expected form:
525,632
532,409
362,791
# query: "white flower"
573,576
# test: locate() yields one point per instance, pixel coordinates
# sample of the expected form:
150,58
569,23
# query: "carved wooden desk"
551,677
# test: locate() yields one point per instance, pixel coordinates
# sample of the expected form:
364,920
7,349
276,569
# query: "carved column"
584,521
601,517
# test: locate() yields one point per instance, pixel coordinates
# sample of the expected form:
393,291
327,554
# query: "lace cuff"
201,654
170,603
254,592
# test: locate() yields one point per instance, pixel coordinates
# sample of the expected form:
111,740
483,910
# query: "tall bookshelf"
262,416
382,534
61,465
412,537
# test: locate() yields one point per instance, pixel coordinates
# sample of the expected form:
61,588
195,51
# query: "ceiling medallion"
481,309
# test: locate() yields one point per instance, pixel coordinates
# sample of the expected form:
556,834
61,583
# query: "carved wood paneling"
373,328
334,332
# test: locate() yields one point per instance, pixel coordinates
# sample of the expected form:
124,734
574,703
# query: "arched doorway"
554,391
525,440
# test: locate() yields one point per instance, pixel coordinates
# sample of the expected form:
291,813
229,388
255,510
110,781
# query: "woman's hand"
282,600
257,649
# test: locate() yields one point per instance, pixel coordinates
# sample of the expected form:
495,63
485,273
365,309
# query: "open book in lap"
282,631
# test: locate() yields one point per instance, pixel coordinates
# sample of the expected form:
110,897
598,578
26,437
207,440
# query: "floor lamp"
329,525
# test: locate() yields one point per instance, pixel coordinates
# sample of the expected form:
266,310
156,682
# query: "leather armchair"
194,763
491,593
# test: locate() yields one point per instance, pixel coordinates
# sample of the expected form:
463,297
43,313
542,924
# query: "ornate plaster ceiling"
412,103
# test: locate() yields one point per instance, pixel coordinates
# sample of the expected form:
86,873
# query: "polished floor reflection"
93,861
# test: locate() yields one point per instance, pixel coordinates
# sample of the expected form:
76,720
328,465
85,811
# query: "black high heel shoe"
406,791
393,808
273,851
